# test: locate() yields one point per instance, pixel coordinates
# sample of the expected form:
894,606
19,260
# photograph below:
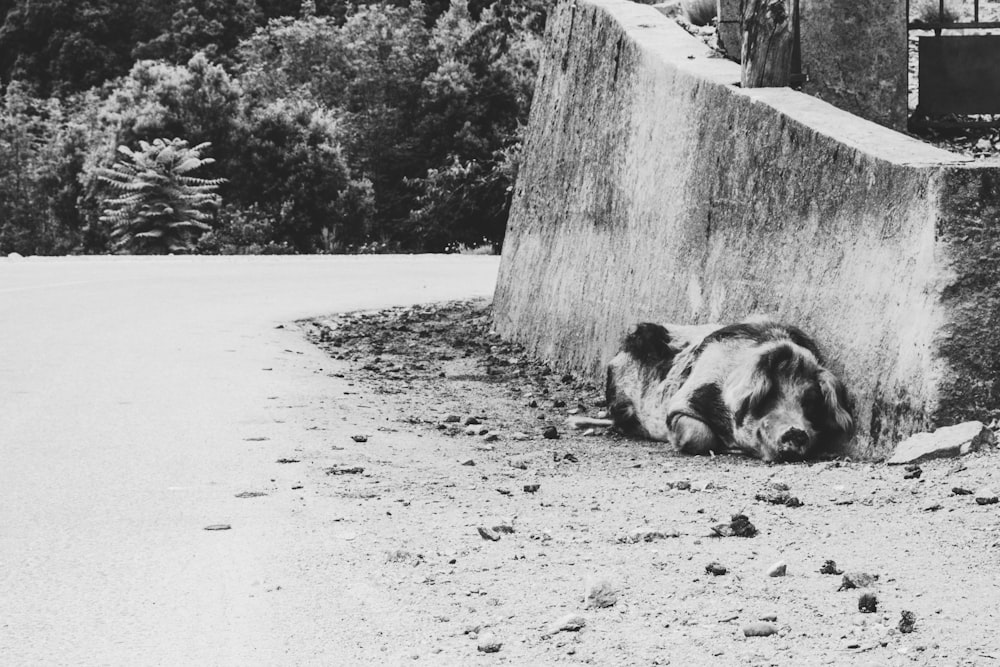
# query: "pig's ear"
838,403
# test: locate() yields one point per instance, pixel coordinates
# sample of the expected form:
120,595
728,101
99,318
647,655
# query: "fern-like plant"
160,208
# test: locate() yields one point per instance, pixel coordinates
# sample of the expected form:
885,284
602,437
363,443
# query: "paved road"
135,398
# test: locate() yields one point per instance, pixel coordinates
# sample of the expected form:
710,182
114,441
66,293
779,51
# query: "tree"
162,208
65,46
213,27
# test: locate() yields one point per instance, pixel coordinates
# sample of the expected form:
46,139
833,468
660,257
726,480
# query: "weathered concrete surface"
855,56
654,189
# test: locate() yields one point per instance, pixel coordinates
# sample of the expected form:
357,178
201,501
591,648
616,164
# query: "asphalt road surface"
137,399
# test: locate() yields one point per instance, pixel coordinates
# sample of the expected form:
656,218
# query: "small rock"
857,580
471,430
568,623
452,419
488,534
504,492
472,421
830,567
906,622
959,491
550,433
986,496
779,498
492,437
867,603
760,629
283,460
488,643
637,536
359,438
739,526
532,403
913,471
949,441
778,569
770,618
683,486
600,593
702,485
717,569
504,528
558,403
519,436
218,526
530,488
569,457
469,462
345,470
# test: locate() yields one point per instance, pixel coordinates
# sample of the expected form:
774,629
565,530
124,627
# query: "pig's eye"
813,406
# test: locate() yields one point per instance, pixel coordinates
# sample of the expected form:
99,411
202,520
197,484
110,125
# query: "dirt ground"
418,495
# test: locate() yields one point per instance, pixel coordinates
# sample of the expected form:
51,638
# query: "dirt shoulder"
631,513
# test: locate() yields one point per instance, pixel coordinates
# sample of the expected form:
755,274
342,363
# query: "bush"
699,12
237,231
930,12
163,209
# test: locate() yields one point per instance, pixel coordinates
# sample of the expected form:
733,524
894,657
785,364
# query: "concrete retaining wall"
653,188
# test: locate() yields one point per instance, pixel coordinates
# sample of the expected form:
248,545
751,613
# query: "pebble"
868,603
359,438
530,488
760,629
568,623
600,592
488,533
986,496
906,622
469,462
830,567
717,569
550,433
472,421
637,536
519,436
778,569
218,526
488,643
857,580
492,437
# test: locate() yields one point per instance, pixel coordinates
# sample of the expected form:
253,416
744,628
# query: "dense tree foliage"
337,126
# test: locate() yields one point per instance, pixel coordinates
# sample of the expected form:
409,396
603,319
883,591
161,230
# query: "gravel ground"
479,537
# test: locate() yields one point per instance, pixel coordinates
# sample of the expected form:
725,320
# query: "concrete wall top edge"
663,38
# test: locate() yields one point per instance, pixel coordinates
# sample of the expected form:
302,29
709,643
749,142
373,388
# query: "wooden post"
768,37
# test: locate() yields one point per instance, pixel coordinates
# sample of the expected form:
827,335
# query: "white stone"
946,442
778,569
